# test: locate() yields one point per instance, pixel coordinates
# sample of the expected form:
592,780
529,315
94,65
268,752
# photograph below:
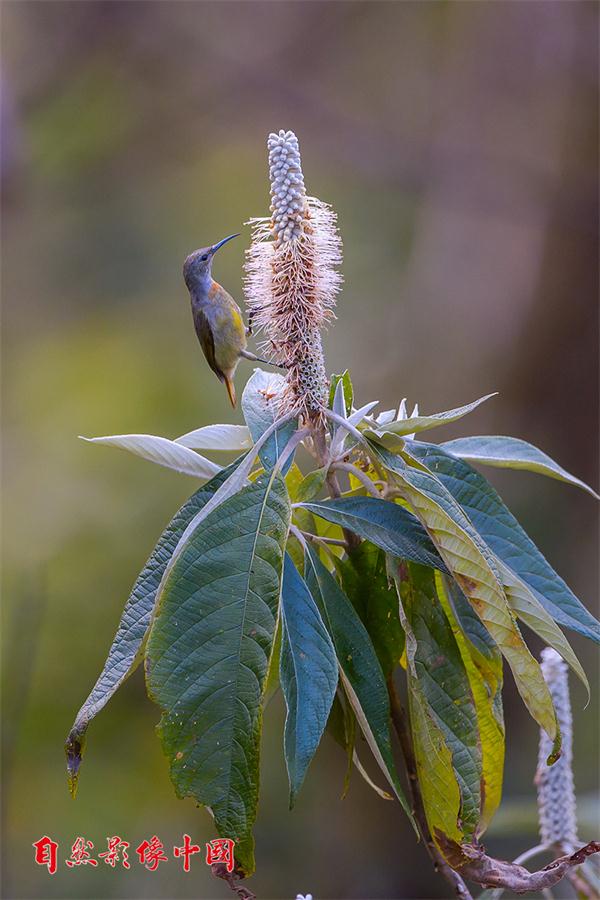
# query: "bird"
217,317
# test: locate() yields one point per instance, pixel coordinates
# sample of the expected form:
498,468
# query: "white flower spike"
292,278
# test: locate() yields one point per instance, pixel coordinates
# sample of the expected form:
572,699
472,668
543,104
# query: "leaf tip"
74,747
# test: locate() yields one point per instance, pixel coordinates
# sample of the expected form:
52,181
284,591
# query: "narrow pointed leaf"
531,612
385,524
445,727
364,580
359,414
360,671
520,597
483,664
208,654
473,566
127,647
161,451
346,391
309,675
423,423
341,725
217,437
261,401
512,453
503,534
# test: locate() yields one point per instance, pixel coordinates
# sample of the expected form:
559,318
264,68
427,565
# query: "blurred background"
458,143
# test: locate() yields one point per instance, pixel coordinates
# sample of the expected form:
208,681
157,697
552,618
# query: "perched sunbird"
217,317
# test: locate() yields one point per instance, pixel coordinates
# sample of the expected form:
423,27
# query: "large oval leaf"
208,653
503,534
127,647
308,672
385,524
472,565
512,453
360,671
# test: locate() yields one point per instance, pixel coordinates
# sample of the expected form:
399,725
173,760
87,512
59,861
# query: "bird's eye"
204,258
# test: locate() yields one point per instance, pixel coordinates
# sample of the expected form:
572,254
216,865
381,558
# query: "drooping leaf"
512,453
483,664
520,597
127,647
473,567
360,671
261,407
364,580
161,451
531,612
341,725
217,437
445,727
503,534
309,675
385,524
208,654
423,423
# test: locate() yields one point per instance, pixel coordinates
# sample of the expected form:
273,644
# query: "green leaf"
423,423
127,647
360,671
261,407
311,485
503,534
346,383
445,726
364,580
473,567
208,654
483,664
385,524
309,675
520,597
512,453
341,725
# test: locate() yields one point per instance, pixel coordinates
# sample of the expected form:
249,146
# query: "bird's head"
196,268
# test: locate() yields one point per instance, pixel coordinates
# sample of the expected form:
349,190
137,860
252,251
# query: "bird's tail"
230,389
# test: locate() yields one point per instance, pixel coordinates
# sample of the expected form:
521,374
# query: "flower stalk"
292,279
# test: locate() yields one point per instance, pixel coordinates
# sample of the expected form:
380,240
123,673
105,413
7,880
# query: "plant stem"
402,729
320,445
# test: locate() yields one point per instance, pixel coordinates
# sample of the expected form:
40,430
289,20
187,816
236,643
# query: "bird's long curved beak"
218,246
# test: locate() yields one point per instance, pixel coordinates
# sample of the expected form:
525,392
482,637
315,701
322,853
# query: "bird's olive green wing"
207,341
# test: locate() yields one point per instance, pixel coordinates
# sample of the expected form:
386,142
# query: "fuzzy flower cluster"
555,787
292,278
